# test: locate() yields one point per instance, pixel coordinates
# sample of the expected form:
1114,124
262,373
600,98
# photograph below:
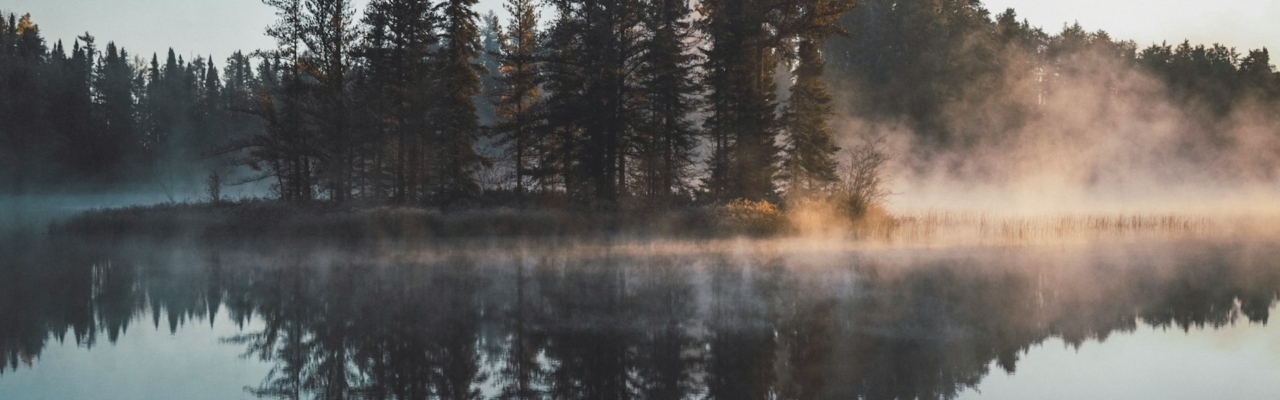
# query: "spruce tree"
23,99
238,83
212,85
742,55
113,84
79,108
810,145
457,125
150,125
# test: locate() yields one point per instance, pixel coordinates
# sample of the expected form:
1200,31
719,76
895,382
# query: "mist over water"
1003,117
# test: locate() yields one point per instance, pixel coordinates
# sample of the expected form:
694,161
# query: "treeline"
593,106
612,104
88,114
959,77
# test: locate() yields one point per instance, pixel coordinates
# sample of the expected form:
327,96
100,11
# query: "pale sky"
191,27
219,27
1243,24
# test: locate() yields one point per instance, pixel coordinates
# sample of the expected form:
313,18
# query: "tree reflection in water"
550,322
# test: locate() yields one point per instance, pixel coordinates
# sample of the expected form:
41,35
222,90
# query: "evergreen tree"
170,109
666,138
283,151
490,53
150,105
741,58
457,125
22,99
810,146
594,49
397,53
518,84
79,125
212,85
113,85
329,35
909,60
1258,76
238,83
240,88
560,132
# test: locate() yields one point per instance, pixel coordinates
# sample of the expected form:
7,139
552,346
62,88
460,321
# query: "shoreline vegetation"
262,217
810,220
710,119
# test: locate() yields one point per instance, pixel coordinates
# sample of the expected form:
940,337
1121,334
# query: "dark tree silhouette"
518,88
666,137
613,104
810,146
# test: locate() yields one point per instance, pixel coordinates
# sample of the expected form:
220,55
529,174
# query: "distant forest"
603,103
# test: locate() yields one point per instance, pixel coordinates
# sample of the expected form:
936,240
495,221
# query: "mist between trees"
637,104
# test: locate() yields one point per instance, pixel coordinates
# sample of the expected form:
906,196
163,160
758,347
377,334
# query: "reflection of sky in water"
1240,361
147,362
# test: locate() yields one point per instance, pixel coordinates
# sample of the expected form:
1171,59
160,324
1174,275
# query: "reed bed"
946,225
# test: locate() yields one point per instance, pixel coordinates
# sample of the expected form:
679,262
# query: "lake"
732,319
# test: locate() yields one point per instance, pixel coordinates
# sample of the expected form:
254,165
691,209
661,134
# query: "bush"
861,188
213,187
757,218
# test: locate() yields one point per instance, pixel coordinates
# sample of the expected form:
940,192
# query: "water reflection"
557,322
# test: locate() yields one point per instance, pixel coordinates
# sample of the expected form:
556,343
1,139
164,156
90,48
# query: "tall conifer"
519,85
457,125
810,144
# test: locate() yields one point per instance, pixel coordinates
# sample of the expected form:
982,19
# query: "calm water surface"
1179,319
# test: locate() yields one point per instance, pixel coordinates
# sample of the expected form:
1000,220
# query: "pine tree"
519,88
666,138
329,35
741,59
810,146
560,131
397,53
594,49
284,149
455,114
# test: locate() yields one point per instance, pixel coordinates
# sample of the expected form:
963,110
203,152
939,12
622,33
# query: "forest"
606,104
